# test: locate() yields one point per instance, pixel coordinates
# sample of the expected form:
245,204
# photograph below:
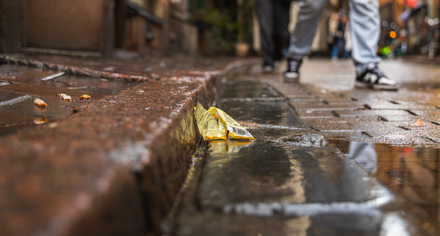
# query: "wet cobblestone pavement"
328,160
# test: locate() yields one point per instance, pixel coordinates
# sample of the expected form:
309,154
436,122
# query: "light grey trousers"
364,23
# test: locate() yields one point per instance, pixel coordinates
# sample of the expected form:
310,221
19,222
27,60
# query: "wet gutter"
115,166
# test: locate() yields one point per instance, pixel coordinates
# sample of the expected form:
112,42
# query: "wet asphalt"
328,160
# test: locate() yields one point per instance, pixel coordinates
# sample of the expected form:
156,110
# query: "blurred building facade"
391,12
408,18
95,27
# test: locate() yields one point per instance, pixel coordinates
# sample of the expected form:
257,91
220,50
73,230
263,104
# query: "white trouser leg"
309,14
365,31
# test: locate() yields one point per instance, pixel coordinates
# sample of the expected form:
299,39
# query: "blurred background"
197,27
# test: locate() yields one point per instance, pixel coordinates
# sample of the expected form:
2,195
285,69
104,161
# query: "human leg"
265,19
335,49
309,14
365,32
281,9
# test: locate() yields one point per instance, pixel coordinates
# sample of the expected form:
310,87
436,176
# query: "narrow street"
328,160
112,122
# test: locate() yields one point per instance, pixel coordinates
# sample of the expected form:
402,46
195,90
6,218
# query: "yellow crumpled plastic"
216,124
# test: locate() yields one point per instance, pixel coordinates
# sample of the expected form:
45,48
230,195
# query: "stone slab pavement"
328,160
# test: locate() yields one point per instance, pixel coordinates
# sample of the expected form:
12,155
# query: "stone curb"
73,70
112,169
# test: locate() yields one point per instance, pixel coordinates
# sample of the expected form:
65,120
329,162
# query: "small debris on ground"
65,97
84,97
40,120
418,123
216,124
40,103
304,139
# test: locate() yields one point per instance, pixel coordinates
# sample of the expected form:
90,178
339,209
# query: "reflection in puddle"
40,120
228,146
410,172
364,154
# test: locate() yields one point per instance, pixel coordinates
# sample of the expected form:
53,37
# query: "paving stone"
55,108
413,125
404,118
248,93
275,133
242,85
294,97
346,134
244,225
432,112
362,113
20,73
386,105
310,98
287,175
338,100
7,96
290,90
403,95
311,106
48,92
262,112
314,114
367,126
11,123
398,138
95,84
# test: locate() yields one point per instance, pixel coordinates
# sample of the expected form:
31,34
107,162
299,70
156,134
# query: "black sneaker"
373,78
291,75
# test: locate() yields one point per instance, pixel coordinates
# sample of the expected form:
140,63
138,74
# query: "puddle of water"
96,84
410,172
24,72
266,112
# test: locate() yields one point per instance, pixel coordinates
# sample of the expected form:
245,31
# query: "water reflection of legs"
364,154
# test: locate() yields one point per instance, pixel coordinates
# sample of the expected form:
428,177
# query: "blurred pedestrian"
273,17
332,29
365,29
348,44
339,38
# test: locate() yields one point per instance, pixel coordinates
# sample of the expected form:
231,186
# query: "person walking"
332,29
348,45
273,18
365,30
339,38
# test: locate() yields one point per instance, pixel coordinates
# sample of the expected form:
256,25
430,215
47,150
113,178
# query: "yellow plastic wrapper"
209,127
236,131
216,124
